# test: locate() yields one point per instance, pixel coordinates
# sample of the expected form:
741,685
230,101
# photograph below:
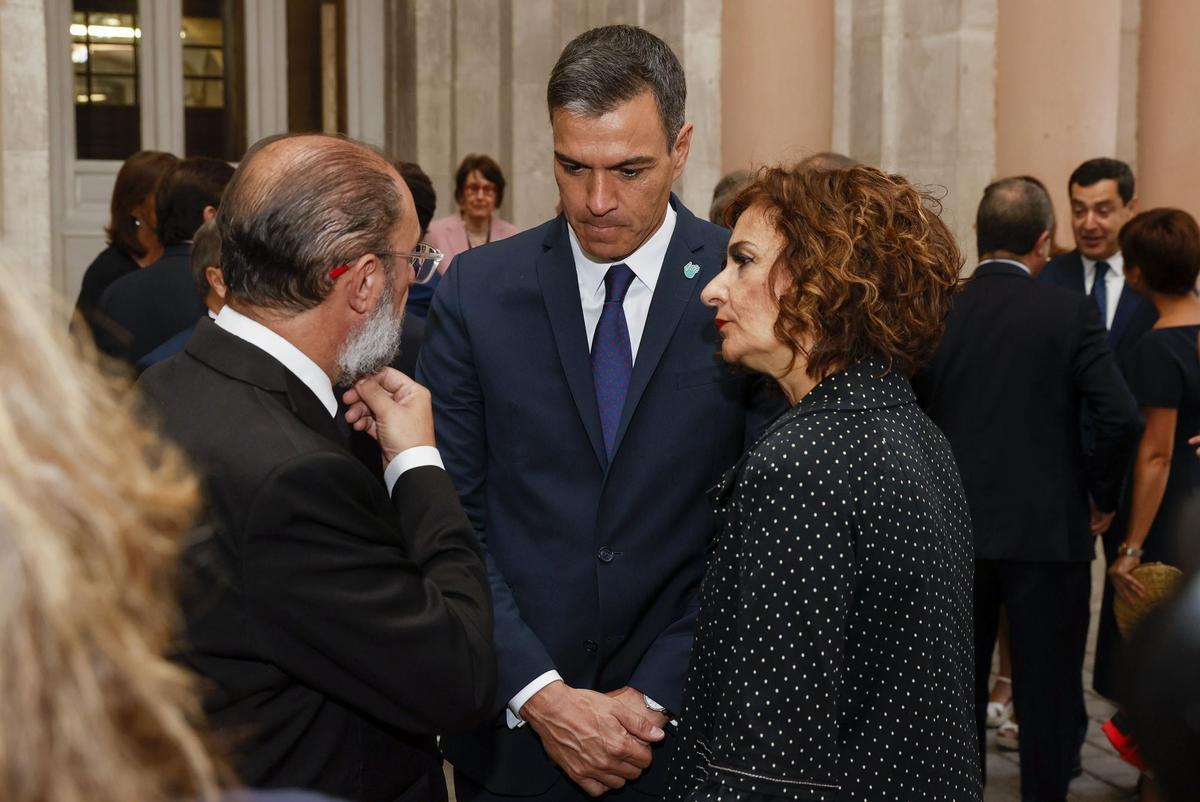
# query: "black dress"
833,654
1167,375
1165,372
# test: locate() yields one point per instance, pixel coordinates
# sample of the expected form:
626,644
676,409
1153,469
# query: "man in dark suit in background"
210,288
1102,200
582,413
339,613
146,308
1017,364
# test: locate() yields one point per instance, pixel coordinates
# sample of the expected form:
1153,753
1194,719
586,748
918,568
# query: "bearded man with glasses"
339,612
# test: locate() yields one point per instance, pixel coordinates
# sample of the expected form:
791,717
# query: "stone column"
915,94
25,235
776,81
477,83
1168,113
1058,97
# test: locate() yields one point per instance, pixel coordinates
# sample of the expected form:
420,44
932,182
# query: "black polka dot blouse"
833,654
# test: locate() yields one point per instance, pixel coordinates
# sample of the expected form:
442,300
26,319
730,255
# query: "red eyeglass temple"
339,270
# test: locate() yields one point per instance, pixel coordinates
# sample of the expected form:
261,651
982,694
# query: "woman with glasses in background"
479,191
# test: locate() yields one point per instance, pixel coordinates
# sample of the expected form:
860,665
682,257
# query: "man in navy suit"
582,414
1102,200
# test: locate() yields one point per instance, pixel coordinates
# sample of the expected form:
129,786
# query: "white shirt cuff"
415,457
513,714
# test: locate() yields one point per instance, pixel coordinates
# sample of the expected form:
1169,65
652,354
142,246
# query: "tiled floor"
1105,776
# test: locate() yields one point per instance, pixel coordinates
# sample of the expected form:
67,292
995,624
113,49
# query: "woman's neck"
796,383
1176,310
477,226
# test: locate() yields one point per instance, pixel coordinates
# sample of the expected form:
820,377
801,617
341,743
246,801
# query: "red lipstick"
720,322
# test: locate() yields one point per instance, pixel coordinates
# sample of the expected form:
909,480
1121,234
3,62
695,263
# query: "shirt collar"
288,355
1116,264
1014,262
645,262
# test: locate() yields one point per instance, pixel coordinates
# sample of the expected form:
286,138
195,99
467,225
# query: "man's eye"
629,172
571,169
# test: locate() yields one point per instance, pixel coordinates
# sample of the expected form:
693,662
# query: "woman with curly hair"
93,507
832,658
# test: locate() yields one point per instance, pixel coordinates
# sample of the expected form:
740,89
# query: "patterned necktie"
612,357
1100,291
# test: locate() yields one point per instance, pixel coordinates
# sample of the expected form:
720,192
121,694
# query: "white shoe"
998,713
1008,737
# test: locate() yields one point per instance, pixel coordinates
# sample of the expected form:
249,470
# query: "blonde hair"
92,509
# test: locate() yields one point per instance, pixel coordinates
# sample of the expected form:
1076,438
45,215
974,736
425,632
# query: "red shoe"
1123,742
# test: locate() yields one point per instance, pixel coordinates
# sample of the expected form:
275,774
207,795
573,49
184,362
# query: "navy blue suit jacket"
149,306
594,567
1134,317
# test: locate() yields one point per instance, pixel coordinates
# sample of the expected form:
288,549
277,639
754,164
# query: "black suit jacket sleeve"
446,366
401,635
1116,423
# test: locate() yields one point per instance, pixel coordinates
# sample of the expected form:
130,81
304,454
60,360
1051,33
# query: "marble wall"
473,79
25,220
914,93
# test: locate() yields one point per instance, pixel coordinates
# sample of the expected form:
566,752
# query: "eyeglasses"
424,262
479,189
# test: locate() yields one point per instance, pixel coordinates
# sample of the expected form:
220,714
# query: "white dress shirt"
303,368
1013,262
1114,282
646,263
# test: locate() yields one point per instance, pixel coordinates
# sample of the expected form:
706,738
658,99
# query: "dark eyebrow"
632,161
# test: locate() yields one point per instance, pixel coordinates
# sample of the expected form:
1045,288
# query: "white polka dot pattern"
833,655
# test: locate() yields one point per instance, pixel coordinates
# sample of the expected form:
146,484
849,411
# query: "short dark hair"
828,160
867,267
1094,170
424,195
724,192
184,193
1165,245
206,253
605,67
1013,214
487,167
137,180
314,206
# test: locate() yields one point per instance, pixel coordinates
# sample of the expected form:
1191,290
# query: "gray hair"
605,67
206,253
298,206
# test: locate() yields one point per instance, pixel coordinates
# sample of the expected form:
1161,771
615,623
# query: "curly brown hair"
867,268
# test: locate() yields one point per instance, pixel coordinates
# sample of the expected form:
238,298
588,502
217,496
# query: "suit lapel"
238,359
1126,306
672,294
560,293
1075,274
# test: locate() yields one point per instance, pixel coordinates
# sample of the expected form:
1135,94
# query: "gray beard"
374,345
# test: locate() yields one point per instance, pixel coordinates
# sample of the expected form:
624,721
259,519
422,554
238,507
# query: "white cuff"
406,460
513,714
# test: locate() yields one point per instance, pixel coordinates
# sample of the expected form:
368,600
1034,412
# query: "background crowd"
507,552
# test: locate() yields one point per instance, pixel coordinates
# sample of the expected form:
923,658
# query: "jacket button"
605,554
590,646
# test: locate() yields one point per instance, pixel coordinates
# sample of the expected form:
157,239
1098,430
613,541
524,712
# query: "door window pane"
214,118
316,68
104,57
